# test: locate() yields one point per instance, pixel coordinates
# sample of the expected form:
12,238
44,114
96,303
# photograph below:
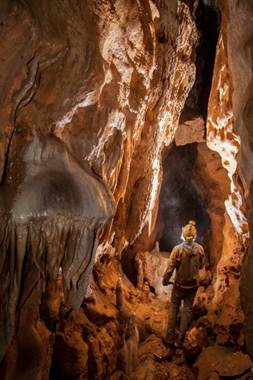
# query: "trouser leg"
173,312
186,314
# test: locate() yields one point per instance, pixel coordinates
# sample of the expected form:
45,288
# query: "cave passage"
179,199
208,24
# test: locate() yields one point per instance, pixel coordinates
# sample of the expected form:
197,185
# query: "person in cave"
187,259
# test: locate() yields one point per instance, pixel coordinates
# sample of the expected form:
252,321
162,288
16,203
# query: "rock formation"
120,121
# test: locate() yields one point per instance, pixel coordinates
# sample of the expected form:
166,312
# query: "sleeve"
171,266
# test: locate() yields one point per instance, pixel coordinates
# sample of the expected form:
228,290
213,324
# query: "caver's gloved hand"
166,278
205,278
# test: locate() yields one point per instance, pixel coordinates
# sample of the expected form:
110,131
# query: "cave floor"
123,328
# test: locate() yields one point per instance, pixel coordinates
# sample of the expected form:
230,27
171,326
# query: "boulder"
222,360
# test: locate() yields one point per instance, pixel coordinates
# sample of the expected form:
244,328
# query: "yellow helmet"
189,231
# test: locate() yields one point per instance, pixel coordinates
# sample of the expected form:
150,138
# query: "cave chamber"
120,121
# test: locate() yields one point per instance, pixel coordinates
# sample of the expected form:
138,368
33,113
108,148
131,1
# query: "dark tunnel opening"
179,198
208,23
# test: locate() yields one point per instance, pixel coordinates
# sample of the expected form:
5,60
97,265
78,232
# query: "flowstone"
52,224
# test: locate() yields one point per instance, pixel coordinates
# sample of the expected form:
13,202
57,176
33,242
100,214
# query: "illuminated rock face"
221,131
228,131
115,75
240,47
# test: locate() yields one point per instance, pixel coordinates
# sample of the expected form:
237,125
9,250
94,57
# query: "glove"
166,278
205,278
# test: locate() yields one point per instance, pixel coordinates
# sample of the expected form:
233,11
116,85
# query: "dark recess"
179,199
208,24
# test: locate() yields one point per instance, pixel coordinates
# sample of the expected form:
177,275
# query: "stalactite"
38,234
50,244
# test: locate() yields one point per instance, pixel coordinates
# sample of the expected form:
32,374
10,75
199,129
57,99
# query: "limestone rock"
152,346
71,354
151,267
240,58
196,339
223,361
190,132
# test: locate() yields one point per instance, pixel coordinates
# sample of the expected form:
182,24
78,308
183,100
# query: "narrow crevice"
208,24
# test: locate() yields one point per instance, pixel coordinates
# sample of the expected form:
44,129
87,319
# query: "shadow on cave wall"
179,199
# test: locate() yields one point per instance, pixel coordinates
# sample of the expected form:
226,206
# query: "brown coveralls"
187,258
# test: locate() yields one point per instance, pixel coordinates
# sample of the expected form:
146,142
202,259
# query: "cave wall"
210,174
239,40
97,82
228,129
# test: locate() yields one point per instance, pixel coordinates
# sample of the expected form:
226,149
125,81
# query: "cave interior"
120,122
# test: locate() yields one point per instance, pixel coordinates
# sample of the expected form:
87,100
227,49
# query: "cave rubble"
222,361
